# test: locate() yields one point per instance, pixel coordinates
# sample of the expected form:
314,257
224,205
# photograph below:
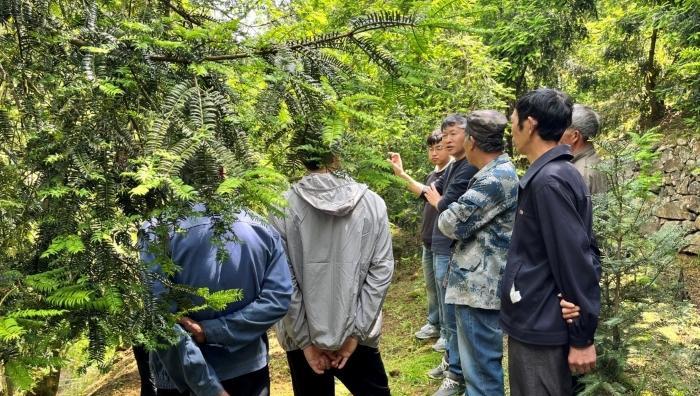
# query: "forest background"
114,112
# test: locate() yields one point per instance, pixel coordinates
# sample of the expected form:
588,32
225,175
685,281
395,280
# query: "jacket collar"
494,163
588,152
559,152
488,167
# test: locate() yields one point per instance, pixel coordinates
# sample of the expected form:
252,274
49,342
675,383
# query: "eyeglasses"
435,148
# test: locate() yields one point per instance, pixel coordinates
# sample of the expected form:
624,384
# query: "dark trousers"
536,370
363,375
256,383
148,386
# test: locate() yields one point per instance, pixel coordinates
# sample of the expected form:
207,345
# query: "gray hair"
457,120
585,120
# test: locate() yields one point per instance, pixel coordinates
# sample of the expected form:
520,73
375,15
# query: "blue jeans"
431,287
480,350
448,328
441,264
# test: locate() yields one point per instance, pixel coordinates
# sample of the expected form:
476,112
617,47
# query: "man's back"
586,162
340,251
235,346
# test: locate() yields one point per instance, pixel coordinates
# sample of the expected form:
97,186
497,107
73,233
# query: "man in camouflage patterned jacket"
481,222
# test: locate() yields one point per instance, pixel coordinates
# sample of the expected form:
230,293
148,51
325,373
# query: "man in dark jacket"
552,255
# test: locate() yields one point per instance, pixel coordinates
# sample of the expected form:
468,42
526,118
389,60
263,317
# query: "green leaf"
95,50
9,329
37,313
229,186
109,89
70,296
70,243
19,374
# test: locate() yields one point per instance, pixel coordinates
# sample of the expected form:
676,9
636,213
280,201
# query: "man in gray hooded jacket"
337,238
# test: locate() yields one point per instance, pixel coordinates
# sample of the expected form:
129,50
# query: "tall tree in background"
112,113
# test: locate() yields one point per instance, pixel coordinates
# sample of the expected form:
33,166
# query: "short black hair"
457,120
550,107
487,128
434,138
314,161
311,151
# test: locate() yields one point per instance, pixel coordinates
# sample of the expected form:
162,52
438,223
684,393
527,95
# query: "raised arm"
397,166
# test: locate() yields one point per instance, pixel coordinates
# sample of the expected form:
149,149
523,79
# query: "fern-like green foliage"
10,330
113,114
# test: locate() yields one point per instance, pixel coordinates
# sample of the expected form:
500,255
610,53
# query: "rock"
650,227
674,164
673,210
694,188
693,246
688,227
691,203
697,223
681,142
682,187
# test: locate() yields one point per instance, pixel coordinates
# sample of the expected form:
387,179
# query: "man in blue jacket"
552,255
223,352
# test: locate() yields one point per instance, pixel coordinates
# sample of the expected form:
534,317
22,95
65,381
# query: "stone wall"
679,197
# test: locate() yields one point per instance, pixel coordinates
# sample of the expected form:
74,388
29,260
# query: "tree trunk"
654,112
48,386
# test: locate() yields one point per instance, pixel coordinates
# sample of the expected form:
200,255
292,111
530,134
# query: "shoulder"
500,182
560,178
250,226
462,172
556,173
374,199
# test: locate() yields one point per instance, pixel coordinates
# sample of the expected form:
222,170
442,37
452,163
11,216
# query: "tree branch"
267,51
182,13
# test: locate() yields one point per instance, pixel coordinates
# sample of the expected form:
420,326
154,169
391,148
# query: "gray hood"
329,193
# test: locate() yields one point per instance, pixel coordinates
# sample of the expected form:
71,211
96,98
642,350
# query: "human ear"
533,125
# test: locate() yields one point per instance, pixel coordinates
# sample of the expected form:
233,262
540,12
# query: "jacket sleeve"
482,202
184,362
458,185
295,319
571,258
244,326
376,284
187,368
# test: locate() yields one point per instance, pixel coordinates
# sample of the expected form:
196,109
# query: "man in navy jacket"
222,352
552,255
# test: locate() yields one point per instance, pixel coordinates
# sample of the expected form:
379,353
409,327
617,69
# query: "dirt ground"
691,271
